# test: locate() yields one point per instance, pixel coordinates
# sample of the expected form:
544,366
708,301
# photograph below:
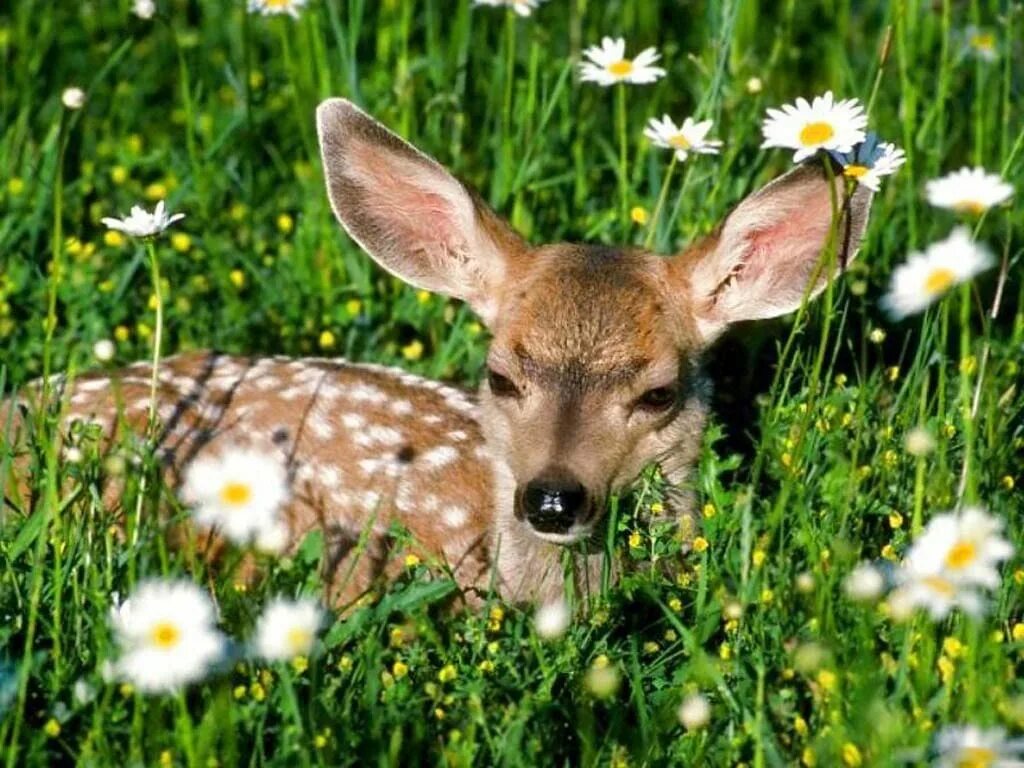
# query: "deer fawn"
592,374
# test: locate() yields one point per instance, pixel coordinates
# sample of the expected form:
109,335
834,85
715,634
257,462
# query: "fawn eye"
657,399
501,386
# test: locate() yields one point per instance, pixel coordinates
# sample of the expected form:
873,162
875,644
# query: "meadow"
838,433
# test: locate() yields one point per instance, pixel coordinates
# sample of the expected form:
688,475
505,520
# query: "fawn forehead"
591,312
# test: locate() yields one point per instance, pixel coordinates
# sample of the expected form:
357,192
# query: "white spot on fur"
432,418
377,434
440,456
353,420
321,427
367,393
458,435
93,386
455,517
401,408
267,383
330,477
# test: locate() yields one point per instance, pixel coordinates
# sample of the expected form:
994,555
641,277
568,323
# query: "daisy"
934,593
276,7
167,634
552,620
239,492
966,547
73,98
870,160
969,190
865,582
608,64
981,43
143,224
522,7
144,9
927,276
287,629
968,746
695,712
822,124
686,138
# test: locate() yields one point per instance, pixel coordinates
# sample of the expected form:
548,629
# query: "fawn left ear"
412,216
761,260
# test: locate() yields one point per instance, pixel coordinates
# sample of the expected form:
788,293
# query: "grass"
802,474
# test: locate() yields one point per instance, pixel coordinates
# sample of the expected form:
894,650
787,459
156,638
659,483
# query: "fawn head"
593,363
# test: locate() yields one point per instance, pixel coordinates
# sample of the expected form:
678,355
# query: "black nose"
553,506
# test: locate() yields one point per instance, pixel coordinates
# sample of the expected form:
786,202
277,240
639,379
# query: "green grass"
803,473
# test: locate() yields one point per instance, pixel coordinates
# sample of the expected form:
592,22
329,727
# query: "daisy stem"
510,64
919,467
623,184
967,491
184,722
652,232
292,702
154,269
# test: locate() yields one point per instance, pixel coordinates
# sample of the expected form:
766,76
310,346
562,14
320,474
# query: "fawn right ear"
411,215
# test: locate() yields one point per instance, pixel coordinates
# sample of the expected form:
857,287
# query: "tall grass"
802,474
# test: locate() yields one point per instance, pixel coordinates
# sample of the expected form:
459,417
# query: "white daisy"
965,547
239,492
277,7
870,160
933,593
686,138
141,223
287,629
968,746
73,98
104,350
522,7
822,124
981,43
864,583
969,190
144,9
927,276
552,620
167,634
608,64
695,712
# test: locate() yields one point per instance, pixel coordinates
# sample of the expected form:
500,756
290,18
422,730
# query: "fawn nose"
552,506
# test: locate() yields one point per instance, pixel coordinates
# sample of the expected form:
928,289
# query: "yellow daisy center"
962,554
235,494
939,280
278,3
939,585
970,206
975,757
680,142
298,639
984,41
165,635
855,171
620,68
816,133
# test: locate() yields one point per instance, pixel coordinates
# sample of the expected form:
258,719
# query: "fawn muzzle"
553,505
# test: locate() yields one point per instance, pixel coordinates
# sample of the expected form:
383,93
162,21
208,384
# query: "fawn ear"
761,260
414,218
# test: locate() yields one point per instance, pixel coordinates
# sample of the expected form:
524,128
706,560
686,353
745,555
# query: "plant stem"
620,96
652,232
